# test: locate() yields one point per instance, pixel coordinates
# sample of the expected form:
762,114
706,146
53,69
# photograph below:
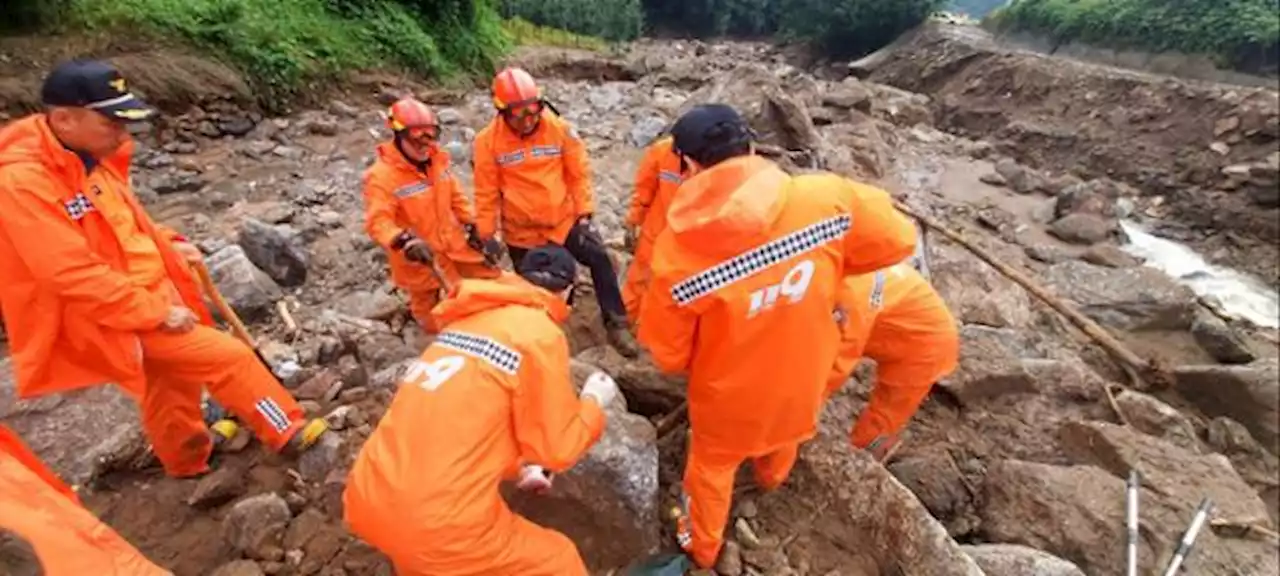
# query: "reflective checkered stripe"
877,290
412,190
272,413
670,176
546,151
495,353
511,159
760,258
78,206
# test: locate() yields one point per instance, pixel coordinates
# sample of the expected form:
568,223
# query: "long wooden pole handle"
224,309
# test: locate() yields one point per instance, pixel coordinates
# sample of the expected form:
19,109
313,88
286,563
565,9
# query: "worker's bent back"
745,282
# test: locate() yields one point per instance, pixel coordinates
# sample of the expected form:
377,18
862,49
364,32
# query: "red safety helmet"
516,94
410,117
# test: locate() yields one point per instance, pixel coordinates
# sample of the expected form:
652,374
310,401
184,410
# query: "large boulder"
79,434
1139,298
647,389
836,496
608,502
1078,513
1182,477
1248,394
976,293
1015,560
249,291
779,119
991,365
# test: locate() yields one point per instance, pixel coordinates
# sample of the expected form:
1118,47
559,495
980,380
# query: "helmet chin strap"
421,165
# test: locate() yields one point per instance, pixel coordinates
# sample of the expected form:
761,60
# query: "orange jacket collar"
471,297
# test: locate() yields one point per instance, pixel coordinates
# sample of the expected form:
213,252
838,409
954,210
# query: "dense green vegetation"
1244,34
286,46
839,27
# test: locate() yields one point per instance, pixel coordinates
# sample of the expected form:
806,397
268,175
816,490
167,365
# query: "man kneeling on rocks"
893,316
415,209
492,392
96,292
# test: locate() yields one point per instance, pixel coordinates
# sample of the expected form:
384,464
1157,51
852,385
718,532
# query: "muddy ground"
1016,460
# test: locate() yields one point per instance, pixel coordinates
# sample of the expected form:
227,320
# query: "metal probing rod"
1188,538
1131,521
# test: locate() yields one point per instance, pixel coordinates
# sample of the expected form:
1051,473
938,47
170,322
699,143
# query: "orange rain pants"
178,367
896,318
68,540
657,180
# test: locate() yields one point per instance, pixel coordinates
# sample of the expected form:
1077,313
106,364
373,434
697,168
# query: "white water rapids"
1240,295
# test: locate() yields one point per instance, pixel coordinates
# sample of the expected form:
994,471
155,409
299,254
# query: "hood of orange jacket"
728,208
471,297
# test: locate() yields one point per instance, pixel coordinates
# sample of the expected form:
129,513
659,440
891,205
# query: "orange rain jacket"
398,197
657,179
745,279
492,392
896,318
68,540
68,302
537,186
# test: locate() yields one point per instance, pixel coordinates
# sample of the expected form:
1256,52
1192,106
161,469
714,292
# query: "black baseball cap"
709,132
95,85
550,266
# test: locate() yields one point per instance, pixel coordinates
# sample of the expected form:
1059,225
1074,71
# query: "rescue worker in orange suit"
745,279
415,209
657,179
533,180
64,538
492,394
96,292
893,316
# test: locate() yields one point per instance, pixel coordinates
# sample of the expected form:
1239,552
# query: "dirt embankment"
1207,152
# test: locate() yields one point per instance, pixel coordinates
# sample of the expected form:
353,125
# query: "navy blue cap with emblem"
95,85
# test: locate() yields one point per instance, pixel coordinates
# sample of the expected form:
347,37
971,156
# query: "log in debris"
1138,369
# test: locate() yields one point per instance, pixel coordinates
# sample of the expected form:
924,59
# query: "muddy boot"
306,437
620,337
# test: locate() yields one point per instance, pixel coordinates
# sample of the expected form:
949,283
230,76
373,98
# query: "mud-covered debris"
380,350
319,386
1086,229
1077,513
239,568
276,250
730,561
1016,560
1138,298
1152,416
940,486
321,458
1110,256
256,525
246,288
1183,477
222,485
1248,394
1220,340
990,365
608,502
